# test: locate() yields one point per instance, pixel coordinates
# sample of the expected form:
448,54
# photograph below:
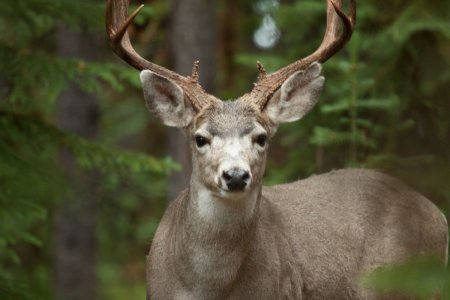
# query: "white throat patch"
220,210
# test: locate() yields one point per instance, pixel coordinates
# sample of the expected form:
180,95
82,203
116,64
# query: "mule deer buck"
228,237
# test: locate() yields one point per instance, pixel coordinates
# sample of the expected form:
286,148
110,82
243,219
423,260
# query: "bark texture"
75,218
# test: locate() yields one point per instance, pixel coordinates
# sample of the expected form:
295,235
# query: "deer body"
311,239
226,236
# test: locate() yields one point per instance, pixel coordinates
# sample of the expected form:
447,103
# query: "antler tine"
117,23
332,30
332,42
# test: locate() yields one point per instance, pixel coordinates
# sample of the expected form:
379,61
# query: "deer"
228,237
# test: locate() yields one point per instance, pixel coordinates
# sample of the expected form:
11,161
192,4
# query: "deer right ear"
166,100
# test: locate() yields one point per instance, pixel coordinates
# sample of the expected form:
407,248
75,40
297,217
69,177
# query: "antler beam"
117,23
332,42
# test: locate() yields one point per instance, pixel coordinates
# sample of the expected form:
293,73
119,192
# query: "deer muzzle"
236,179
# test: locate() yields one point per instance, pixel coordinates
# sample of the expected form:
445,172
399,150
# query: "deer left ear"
297,96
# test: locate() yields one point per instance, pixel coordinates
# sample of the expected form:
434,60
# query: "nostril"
245,176
227,176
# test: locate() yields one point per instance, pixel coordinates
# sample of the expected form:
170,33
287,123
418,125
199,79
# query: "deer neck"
217,236
211,215
213,209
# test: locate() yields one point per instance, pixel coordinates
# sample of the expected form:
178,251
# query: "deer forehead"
231,119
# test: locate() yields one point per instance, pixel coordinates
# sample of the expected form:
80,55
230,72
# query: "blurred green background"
84,167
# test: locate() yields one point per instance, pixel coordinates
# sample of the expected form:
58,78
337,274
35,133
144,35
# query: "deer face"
229,146
229,139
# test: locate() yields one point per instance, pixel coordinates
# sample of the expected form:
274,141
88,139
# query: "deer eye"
261,140
201,140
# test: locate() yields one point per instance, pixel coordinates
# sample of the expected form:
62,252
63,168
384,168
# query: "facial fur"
231,131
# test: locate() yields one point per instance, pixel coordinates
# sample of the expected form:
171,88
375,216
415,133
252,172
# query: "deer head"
229,140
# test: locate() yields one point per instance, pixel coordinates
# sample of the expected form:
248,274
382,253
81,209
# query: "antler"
117,22
332,42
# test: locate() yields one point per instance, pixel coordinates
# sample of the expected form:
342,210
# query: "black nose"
235,179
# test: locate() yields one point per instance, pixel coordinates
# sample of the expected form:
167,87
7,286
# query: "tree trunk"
229,26
192,37
75,218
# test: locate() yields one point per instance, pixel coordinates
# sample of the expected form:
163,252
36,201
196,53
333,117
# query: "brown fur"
312,239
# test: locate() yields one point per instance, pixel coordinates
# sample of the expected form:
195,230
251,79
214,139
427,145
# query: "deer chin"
233,195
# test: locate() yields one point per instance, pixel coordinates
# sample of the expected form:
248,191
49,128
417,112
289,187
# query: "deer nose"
236,179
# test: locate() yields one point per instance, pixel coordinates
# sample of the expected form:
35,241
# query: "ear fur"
166,100
297,96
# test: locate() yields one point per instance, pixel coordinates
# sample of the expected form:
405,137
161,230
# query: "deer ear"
166,100
297,96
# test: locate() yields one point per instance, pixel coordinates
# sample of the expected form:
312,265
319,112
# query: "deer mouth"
234,194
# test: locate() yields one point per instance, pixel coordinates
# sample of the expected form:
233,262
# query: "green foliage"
384,92
32,77
422,278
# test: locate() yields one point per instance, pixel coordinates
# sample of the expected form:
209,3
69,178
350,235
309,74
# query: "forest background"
85,171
